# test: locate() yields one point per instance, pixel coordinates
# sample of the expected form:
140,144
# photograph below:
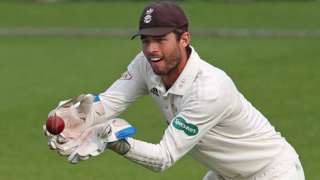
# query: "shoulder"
212,87
139,65
212,82
138,60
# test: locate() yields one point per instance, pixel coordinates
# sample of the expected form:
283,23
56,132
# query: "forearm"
113,104
151,156
119,96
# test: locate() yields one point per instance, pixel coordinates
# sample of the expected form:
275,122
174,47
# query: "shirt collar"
184,80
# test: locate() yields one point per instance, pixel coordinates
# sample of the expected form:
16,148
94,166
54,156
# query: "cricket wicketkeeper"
208,118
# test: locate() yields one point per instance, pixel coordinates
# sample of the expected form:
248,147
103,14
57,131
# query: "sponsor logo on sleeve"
181,124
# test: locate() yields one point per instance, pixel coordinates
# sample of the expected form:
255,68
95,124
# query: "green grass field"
275,15
279,76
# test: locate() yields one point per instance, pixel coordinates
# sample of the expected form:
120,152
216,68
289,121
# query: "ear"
185,39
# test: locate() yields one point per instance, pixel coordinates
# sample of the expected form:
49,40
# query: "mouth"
154,59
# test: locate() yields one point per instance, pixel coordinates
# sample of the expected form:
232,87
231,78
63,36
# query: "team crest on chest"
126,76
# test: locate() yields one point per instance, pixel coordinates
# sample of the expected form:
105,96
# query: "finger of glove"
104,131
96,147
86,104
65,152
61,139
91,152
67,148
102,134
102,147
73,121
57,140
79,116
87,144
72,101
83,158
45,131
91,145
95,153
60,104
52,145
87,148
75,142
77,158
73,158
52,112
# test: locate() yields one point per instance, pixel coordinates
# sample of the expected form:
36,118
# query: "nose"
151,47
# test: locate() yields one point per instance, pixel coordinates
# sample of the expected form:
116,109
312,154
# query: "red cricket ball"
55,125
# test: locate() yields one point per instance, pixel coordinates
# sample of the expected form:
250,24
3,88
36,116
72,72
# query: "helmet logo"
148,17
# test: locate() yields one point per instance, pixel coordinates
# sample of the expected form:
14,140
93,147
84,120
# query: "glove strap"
127,132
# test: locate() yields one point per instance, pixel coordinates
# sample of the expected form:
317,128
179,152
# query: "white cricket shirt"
207,117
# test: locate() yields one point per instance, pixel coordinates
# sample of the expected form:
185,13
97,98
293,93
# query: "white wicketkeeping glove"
79,114
95,139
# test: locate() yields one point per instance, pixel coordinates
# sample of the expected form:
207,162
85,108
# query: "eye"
145,41
161,40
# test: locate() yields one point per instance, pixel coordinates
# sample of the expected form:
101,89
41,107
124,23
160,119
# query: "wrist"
121,147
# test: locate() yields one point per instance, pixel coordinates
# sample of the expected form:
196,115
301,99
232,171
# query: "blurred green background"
277,73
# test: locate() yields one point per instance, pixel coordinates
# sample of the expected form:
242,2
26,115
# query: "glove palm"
79,114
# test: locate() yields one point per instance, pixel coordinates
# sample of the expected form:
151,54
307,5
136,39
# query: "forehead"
156,37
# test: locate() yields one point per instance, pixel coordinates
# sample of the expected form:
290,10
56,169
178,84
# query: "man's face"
162,52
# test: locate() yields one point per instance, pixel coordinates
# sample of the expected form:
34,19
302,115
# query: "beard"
171,62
